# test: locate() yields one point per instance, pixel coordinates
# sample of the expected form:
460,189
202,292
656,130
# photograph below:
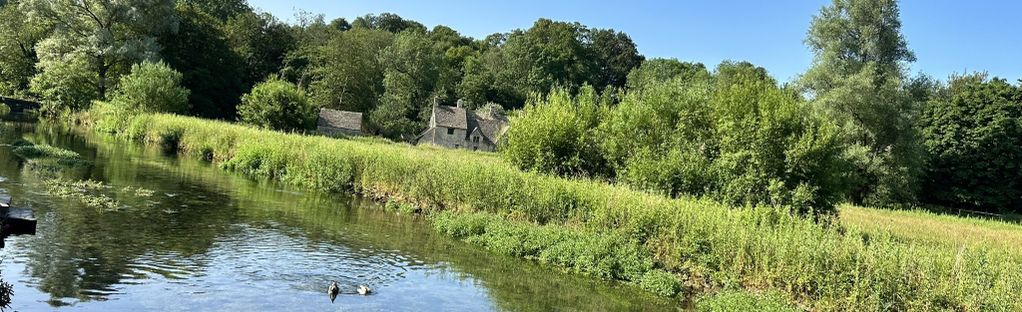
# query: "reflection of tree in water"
81,252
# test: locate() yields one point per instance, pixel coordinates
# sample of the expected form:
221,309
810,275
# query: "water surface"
207,240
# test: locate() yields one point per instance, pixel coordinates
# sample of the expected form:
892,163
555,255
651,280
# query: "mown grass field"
688,247
925,227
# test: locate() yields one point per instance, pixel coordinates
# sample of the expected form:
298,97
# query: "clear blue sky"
948,36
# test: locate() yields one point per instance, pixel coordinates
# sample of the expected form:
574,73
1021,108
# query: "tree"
615,56
972,131
65,86
412,68
261,41
110,35
17,49
388,22
279,105
656,71
219,9
151,87
212,73
857,78
512,66
347,72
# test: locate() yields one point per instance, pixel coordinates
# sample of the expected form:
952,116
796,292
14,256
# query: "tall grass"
665,245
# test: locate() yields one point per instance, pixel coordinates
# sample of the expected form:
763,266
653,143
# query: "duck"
333,291
364,290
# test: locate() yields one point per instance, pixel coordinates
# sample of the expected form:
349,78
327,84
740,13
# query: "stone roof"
450,117
340,119
491,126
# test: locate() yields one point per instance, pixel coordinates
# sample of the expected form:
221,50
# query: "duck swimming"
364,290
333,291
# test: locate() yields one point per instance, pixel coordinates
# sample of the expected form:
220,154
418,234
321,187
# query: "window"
450,131
475,139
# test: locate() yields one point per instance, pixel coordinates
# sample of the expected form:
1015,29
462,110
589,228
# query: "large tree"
548,54
347,71
412,68
857,78
262,41
109,34
17,49
213,73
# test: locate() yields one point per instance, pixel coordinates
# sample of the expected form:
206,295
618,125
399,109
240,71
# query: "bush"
973,135
741,140
557,134
152,88
278,105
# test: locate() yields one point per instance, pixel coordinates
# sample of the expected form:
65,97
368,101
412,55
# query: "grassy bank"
664,245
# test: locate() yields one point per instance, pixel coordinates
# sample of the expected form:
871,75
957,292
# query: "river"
207,240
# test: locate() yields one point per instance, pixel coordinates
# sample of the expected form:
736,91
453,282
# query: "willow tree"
857,78
107,36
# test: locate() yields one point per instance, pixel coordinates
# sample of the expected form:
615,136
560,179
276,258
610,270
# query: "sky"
947,36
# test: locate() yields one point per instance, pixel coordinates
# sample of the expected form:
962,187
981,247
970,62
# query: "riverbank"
667,246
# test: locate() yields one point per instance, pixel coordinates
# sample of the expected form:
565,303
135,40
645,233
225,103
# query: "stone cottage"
457,127
335,122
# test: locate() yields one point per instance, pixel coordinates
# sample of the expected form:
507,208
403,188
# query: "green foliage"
151,87
213,73
741,140
660,282
32,151
547,55
110,35
388,22
557,134
973,136
279,105
740,301
604,230
17,54
656,71
261,41
412,68
68,85
348,71
858,81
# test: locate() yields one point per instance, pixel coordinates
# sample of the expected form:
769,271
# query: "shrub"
973,133
557,134
151,87
741,140
279,105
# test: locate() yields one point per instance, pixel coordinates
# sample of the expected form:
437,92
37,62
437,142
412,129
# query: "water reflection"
213,241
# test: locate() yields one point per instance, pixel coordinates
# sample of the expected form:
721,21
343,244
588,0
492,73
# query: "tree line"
71,53
854,127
